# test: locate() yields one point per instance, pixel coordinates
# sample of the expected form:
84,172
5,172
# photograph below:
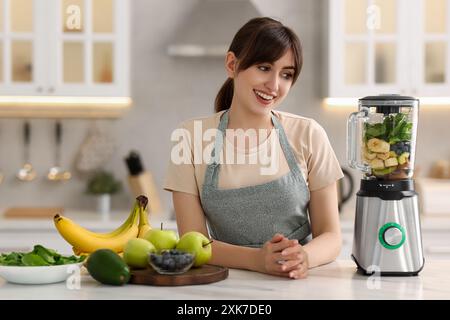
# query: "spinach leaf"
46,254
40,256
14,258
376,130
32,259
394,128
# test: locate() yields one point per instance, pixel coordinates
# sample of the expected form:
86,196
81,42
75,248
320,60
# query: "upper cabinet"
389,46
71,54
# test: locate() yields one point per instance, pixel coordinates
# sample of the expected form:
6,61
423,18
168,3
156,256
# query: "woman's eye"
288,75
264,68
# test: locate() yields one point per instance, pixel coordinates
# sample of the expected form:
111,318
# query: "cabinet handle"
51,89
39,89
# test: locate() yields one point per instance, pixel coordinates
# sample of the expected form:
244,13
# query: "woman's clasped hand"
283,257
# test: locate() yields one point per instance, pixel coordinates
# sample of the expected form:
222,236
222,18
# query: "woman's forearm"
232,256
323,249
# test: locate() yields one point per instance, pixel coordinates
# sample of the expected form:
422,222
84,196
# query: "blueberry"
182,260
156,259
171,265
165,264
172,260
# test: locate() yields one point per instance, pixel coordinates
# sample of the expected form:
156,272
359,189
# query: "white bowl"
39,275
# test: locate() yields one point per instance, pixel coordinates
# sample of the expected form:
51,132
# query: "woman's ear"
231,64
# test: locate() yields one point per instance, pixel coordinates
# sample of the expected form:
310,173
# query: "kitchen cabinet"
389,46
64,52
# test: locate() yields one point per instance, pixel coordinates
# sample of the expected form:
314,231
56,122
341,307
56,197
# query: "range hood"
210,28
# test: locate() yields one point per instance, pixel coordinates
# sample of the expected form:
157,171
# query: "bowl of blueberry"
171,261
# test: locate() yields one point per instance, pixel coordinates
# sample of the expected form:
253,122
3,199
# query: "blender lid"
388,97
389,103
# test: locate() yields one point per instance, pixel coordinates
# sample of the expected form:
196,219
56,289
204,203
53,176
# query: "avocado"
107,267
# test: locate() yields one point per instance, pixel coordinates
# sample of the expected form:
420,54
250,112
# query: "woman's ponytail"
225,96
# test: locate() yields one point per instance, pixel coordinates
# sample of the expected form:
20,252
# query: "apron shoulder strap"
285,145
212,169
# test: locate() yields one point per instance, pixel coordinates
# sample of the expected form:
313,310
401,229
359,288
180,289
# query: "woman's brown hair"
260,40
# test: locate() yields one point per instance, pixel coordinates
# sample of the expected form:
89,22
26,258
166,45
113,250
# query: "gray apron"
250,216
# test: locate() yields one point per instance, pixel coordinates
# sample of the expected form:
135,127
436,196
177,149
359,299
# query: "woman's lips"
263,101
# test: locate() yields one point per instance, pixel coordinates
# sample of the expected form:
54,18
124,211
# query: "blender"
381,141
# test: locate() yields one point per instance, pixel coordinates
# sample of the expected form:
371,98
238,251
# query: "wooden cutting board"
204,274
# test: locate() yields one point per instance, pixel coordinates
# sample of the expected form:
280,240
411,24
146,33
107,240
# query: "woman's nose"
272,83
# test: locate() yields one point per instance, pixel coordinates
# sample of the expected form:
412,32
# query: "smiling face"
261,87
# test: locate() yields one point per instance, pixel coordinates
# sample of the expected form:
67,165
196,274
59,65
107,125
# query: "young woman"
282,218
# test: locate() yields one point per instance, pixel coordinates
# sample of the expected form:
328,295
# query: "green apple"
162,239
136,252
196,243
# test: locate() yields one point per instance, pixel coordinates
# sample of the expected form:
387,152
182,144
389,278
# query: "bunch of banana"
85,242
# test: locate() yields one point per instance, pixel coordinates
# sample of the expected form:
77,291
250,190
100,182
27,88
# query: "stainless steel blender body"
387,235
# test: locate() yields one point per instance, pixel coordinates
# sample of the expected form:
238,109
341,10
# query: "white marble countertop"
337,280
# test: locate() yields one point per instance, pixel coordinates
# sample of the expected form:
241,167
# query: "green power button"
392,235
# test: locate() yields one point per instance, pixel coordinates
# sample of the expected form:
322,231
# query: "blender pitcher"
385,129
381,142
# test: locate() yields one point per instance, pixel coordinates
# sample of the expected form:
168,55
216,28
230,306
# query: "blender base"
364,272
387,238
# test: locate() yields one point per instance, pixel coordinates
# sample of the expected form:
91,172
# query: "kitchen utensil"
202,275
56,173
26,173
142,183
38,275
387,235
